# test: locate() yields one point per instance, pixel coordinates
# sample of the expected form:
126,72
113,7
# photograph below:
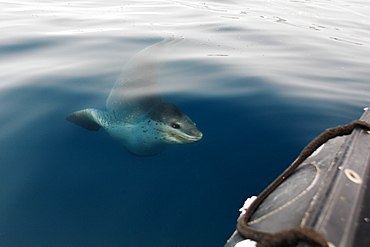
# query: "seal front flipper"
89,118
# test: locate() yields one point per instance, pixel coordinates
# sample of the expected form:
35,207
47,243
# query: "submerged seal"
136,116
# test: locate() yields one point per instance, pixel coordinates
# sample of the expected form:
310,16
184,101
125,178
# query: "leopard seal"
136,115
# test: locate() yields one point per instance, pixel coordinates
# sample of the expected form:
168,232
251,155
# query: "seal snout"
196,133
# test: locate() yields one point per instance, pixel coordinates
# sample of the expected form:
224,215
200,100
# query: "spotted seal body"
136,116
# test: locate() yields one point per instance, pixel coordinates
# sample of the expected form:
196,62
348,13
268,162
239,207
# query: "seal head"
176,125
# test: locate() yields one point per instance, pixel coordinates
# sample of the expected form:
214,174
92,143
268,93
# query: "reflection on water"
260,79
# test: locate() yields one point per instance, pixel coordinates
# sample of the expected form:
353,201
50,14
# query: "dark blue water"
260,79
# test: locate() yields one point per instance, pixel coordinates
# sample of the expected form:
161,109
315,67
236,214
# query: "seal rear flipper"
86,118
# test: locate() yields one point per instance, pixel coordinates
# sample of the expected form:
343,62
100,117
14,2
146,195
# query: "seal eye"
175,125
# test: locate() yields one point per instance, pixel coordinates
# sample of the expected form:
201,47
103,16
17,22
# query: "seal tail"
89,118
